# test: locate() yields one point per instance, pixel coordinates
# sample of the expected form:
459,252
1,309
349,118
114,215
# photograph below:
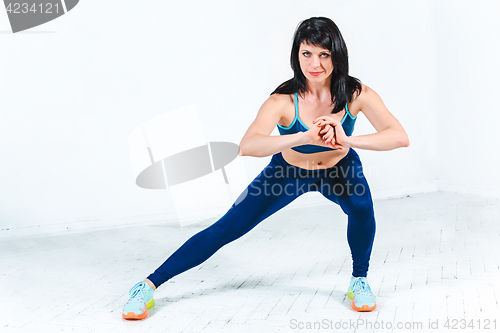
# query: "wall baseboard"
428,187
88,225
310,200
483,192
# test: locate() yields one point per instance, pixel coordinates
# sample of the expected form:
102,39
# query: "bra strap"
348,112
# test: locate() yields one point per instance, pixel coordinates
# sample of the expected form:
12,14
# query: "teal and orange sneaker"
361,294
140,301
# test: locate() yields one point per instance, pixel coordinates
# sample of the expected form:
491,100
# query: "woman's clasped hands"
330,133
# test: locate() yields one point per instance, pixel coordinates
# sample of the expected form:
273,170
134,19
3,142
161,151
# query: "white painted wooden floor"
436,257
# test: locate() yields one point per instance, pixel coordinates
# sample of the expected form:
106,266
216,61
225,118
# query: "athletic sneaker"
140,300
361,294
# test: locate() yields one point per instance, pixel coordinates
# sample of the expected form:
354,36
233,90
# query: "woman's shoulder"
281,106
280,100
359,98
359,92
366,96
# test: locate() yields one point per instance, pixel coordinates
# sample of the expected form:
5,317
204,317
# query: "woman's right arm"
257,140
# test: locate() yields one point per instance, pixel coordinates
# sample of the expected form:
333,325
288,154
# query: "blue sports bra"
297,125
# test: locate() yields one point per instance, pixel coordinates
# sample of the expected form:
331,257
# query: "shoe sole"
133,316
364,308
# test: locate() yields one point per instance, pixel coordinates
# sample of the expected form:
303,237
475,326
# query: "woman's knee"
225,231
219,232
359,206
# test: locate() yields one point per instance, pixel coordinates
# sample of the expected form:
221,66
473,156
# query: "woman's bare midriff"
321,160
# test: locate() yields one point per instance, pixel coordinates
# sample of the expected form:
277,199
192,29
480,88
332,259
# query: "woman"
313,153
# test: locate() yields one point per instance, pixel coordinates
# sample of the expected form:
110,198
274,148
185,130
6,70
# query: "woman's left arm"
390,134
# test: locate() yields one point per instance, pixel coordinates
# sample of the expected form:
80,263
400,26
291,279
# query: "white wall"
468,107
73,89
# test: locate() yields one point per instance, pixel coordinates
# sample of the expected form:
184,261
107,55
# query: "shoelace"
363,286
136,291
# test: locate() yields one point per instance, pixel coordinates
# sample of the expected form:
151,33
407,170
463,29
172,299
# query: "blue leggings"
275,187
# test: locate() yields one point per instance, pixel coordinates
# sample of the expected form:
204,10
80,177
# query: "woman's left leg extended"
346,185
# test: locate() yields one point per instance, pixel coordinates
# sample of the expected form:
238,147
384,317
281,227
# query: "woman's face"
315,62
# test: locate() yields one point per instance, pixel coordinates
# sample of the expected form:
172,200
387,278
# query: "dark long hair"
322,32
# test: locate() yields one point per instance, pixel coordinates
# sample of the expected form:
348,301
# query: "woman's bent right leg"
270,191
